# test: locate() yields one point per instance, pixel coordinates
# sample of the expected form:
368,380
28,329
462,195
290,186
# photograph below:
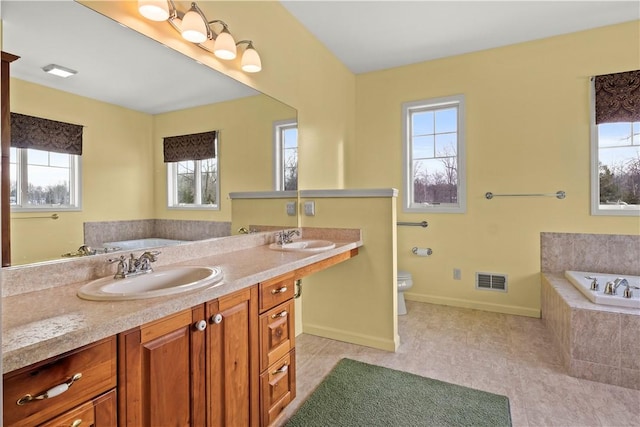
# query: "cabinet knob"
279,290
76,423
216,319
200,325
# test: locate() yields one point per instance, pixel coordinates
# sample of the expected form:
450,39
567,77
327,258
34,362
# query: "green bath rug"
358,394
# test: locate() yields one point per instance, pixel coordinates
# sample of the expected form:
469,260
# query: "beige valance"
618,97
195,146
45,134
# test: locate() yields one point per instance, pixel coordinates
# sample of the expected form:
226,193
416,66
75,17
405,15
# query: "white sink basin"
304,245
161,282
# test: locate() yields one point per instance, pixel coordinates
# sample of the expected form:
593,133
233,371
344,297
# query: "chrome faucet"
611,287
286,236
134,266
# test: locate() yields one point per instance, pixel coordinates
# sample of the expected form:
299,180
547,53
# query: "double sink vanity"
207,338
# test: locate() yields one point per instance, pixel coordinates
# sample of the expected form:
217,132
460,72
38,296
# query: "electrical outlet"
457,274
291,208
310,208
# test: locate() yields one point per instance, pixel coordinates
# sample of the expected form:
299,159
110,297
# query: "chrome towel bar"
559,194
52,216
423,224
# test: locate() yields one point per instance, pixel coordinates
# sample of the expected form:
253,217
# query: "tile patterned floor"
499,353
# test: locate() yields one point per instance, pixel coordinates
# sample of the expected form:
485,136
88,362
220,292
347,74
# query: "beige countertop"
47,322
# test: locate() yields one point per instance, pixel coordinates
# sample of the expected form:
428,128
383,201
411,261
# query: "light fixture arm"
210,34
225,27
249,43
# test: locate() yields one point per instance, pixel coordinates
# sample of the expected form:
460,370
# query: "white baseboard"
456,302
352,337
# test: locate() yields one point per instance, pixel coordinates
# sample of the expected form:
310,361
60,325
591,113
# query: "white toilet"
404,282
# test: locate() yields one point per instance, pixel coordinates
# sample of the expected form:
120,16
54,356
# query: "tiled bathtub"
599,343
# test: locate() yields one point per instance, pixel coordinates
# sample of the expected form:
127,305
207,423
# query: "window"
615,148
192,171
286,155
434,155
44,180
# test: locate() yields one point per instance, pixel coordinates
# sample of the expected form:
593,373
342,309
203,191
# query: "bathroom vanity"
219,356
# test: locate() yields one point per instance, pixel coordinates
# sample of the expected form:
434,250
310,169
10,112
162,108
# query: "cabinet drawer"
96,365
276,291
277,334
278,387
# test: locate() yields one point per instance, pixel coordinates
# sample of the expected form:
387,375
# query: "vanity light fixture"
154,10
58,70
195,28
251,62
194,25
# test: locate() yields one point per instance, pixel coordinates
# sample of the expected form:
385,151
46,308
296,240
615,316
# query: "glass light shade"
155,10
251,61
209,45
194,29
225,46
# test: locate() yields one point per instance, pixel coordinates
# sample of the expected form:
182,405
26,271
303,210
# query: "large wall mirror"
128,94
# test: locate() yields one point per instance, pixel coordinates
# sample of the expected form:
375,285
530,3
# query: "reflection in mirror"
126,107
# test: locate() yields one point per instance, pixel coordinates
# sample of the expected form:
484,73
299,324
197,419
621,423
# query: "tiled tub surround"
597,342
96,233
43,317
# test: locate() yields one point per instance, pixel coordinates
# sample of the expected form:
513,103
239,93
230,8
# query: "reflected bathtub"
582,281
139,244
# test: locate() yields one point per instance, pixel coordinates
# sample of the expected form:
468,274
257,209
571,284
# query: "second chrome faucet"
134,266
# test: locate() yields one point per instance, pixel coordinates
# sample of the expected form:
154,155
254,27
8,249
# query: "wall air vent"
491,281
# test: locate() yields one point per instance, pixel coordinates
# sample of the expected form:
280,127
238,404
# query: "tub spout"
611,287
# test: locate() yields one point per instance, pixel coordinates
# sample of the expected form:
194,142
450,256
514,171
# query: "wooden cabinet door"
161,377
232,360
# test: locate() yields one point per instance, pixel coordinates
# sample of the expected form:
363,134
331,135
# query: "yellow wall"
297,70
245,148
527,131
271,212
116,169
355,301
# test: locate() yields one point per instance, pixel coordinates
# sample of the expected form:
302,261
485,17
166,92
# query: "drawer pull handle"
76,423
279,290
282,370
52,392
281,314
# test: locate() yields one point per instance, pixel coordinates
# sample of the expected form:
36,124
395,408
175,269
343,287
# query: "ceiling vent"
491,281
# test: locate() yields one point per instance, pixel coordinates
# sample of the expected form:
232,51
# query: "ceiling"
375,35
364,35
115,64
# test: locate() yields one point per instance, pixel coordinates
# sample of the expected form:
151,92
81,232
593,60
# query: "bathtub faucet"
611,287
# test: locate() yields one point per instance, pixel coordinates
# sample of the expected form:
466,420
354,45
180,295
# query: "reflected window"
286,155
194,184
434,155
44,180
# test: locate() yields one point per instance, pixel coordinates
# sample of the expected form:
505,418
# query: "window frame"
172,190
596,208
75,184
278,151
434,104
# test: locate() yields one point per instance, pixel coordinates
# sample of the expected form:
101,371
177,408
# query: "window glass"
434,155
43,180
617,168
286,155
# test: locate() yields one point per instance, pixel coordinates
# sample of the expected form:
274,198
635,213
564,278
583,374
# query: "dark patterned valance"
45,134
195,146
618,97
